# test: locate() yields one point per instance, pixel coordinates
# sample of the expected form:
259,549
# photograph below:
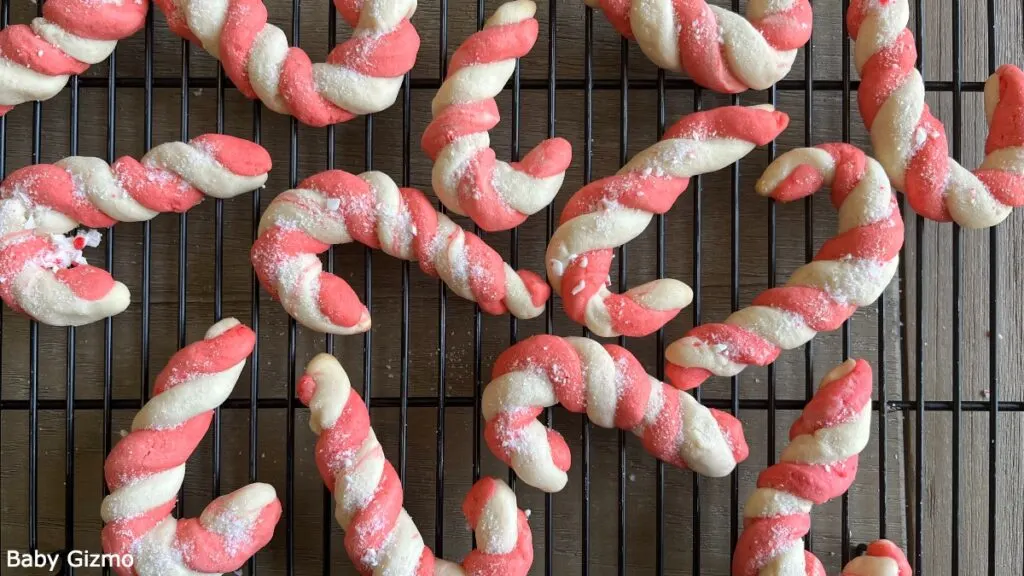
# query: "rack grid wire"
912,404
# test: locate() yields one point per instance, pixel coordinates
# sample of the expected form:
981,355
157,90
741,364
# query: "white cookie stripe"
145,471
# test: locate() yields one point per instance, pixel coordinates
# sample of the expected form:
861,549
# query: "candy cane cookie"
336,207
466,177
851,270
882,558
610,212
609,385
36,60
380,537
820,463
145,471
911,143
361,76
43,273
719,49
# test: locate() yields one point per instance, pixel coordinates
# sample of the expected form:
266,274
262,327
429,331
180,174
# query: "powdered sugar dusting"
235,530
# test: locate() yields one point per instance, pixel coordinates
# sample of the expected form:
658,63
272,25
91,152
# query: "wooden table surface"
933,253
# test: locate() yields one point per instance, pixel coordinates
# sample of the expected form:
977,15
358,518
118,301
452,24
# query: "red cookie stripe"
755,125
157,190
886,549
236,155
299,91
52,187
457,121
779,28
383,55
97,20
86,282
761,537
209,551
494,44
20,45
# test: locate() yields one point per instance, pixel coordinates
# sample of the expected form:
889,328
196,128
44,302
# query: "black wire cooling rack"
910,344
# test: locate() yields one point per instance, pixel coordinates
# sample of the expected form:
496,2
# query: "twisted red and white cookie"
361,76
610,386
336,207
43,273
466,176
380,537
610,212
719,49
37,60
911,143
820,463
852,269
145,471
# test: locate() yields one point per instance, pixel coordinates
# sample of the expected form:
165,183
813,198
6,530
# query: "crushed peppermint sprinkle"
557,266
579,287
332,204
610,203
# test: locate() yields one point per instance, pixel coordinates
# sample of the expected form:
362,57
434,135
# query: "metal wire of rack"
914,405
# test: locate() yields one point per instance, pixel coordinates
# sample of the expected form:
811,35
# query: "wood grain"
133,369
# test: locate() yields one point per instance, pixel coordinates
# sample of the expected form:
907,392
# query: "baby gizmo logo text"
73,559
